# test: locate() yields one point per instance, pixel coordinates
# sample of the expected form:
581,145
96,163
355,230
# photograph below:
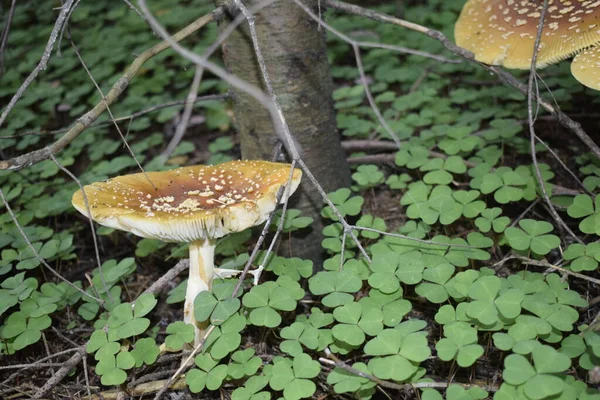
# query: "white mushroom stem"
202,257
202,272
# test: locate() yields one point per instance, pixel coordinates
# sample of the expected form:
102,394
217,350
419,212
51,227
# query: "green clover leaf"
533,235
293,220
460,343
145,352
368,175
294,380
583,257
337,287
490,219
347,382
243,363
345,204
265,299
584,207
299,334
396,182
180,333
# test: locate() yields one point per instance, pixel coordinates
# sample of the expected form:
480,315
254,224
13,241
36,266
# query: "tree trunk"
294,50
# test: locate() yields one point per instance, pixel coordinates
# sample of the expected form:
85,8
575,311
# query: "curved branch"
60,21
88,118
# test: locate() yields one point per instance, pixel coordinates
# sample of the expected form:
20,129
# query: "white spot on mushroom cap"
586,68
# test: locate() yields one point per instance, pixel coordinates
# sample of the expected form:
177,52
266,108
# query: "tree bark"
295,54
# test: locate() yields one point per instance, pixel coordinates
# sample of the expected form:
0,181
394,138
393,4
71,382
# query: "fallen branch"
187,363
139,390
80,351
168,277
61,373
334,361
544,263
358,145
88,118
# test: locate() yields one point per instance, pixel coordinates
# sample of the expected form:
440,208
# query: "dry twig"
4,34
532,135
88,118
334,361
544,263
60,21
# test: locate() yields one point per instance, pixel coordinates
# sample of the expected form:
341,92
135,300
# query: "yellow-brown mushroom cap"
503,32
189,203
586,67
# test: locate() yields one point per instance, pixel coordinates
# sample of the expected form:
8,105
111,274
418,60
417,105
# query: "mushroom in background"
586,67
503,32
195,205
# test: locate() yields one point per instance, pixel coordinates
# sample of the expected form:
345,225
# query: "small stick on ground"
333,360
61,373
544,263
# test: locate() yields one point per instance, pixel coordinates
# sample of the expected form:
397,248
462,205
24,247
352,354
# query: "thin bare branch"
37,362
423,241
4,34
264,232
536,167
406,50
562,164
544,263
168,277
362,145
60,374
37,255
286,194
333,360
186,364
64,28
62,17
135,10
187,113
88,118
89,74
89,213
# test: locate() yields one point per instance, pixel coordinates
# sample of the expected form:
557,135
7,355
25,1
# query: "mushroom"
196,205
503,32
586,67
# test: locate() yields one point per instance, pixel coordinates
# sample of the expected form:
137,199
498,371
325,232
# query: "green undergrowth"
460,286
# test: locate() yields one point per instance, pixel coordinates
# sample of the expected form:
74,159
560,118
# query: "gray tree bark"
294,50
